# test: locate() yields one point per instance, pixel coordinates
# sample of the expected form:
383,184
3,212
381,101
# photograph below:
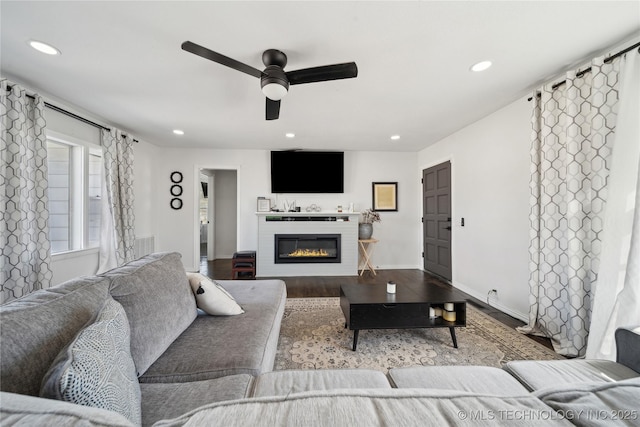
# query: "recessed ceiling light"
178,132
481,66
395,137
43,47
290,135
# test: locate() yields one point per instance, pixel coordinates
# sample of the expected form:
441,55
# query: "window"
75,194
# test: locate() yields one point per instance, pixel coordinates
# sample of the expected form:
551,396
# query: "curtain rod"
77,117
72,115
587,70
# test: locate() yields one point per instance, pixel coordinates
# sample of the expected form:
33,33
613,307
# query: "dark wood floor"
314,286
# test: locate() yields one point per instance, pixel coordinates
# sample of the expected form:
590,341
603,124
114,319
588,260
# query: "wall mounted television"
307,172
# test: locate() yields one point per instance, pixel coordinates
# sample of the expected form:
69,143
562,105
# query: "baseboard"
396,267
513,313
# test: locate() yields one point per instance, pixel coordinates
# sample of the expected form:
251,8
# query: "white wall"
399,232
145,188
490,171
490,180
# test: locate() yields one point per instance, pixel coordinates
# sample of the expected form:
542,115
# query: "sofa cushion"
170,400
374,407
217,346
157,298
283,383
22,410
96,368
211,297
475,379
36,327
536,375
589,404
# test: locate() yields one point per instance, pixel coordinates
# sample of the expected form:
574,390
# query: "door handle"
448,228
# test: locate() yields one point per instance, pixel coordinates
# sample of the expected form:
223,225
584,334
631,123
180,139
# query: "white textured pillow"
96,368
211,297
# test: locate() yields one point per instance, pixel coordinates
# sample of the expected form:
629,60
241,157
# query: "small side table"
366,250
243,262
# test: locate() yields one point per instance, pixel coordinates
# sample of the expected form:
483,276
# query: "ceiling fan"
274,80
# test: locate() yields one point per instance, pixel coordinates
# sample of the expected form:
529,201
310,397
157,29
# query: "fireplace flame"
309,253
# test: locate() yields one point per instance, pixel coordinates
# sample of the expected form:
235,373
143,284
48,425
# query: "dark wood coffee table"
371,307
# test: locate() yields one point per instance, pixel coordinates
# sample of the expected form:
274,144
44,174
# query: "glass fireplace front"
307,248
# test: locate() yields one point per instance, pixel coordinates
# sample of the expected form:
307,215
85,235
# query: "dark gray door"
436,220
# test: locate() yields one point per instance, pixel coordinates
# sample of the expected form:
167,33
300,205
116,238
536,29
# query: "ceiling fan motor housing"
274,57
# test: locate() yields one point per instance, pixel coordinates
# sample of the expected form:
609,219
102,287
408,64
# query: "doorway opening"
218,213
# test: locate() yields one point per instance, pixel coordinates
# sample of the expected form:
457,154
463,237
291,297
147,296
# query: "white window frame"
78,190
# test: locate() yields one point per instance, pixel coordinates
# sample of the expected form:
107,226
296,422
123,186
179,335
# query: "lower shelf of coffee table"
401,315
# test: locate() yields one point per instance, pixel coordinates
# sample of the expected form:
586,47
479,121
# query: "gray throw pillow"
96,368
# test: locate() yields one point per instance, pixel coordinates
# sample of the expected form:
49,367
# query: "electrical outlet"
493,293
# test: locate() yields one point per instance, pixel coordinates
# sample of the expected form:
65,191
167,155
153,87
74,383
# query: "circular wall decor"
176,190
176,203
176,177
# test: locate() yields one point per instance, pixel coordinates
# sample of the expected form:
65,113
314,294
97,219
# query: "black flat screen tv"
307,172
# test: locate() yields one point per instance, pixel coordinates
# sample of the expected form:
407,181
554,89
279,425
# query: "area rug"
313,336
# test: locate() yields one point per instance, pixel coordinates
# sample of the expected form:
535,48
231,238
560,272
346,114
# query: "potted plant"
365,228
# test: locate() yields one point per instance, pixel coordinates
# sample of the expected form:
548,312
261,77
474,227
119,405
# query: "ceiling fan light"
274,91
274,83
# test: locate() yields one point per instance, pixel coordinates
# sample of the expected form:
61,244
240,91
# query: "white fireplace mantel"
272,223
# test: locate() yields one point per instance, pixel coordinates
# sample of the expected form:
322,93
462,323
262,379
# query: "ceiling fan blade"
273,109
321,74
220,59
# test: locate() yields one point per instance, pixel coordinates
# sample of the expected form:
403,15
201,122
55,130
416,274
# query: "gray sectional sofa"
183,358
189,368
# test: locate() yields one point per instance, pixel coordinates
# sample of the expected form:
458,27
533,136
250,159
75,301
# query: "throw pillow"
96,368
211,297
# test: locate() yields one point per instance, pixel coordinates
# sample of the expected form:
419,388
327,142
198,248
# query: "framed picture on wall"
264,205
385,196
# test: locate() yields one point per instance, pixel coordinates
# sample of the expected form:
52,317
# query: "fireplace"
307,248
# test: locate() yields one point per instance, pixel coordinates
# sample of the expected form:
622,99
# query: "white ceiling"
121,61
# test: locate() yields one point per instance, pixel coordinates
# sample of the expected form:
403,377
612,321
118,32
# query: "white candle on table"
391,287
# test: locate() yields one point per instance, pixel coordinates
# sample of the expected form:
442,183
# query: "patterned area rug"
313,336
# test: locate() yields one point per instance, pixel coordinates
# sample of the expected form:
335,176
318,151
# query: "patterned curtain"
617,297
572,138
25,259
117,235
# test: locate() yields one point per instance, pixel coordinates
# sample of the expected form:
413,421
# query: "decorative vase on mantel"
365,230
